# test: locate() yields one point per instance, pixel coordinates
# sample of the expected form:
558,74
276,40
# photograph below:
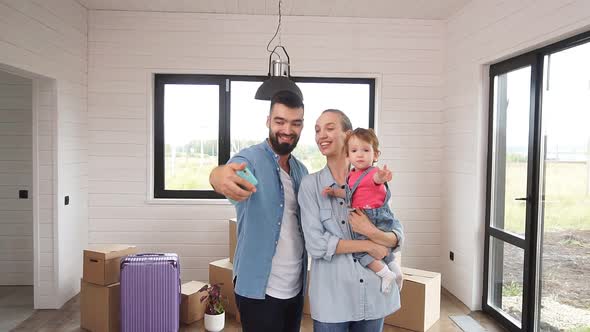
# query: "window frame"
224,137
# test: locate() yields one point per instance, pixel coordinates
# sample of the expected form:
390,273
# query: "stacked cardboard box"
220,272
233,238
99,289
420,300
191,307
306,305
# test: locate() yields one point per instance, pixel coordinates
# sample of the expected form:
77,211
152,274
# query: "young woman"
344,295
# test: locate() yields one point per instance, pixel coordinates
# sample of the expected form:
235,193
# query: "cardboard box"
420,299
306,305
233,238
191,308
100,307
220,272
102,263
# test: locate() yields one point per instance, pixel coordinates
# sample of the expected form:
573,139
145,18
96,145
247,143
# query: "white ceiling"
414,9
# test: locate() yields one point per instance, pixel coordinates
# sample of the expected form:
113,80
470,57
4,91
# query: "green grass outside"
189,173
567,206
580,329
192,173
512,289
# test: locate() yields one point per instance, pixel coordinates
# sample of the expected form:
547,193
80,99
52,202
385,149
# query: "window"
200,121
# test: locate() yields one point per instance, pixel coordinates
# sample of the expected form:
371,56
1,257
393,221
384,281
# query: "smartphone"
247,175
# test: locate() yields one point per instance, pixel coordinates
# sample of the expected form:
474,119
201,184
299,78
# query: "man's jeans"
270,314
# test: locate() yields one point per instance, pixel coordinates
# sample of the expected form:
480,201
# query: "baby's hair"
365,135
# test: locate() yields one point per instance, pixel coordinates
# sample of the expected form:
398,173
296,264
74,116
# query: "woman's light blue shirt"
341,289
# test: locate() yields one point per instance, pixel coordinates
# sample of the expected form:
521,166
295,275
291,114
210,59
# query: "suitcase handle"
123,263
146,254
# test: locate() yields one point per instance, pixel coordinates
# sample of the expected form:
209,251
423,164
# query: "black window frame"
224,83
532,241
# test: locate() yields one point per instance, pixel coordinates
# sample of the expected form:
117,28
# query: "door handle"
521,199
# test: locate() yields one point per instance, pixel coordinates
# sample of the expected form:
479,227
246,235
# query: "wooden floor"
67,319
16,304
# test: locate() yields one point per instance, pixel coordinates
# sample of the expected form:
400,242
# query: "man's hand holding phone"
233,180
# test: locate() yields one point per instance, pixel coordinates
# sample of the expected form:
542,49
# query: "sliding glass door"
510,205
564,265
537,247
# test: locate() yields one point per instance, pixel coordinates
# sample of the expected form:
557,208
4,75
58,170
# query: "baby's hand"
383,175
334,192
328,191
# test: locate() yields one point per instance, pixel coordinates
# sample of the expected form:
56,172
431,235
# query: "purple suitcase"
150,293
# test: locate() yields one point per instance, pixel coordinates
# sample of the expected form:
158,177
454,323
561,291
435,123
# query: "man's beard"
282,148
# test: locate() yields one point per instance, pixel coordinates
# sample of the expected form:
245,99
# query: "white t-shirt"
284,281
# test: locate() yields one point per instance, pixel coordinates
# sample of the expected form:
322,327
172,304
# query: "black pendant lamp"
279,73
279,78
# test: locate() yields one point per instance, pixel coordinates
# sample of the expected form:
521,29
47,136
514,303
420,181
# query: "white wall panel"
47,40
484,32
405,55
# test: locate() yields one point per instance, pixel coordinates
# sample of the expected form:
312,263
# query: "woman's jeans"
375,325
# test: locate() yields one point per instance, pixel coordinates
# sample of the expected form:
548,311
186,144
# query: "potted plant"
214,311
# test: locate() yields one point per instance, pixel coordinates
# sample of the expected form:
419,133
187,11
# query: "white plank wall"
484,32
48,40
46,128
93,72
16,173
125,48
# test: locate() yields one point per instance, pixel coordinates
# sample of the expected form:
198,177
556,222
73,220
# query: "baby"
367,189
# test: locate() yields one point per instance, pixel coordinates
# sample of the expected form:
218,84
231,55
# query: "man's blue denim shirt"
259,219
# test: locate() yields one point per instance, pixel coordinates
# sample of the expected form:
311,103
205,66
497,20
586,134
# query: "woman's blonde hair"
344,120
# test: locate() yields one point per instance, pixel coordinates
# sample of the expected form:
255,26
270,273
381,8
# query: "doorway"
538,190
16,200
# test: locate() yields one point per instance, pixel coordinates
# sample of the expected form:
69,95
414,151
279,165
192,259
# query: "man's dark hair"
287,98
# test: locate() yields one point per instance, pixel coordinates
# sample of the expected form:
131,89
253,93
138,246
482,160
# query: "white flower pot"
214,323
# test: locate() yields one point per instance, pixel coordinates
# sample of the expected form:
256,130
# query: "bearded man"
270,266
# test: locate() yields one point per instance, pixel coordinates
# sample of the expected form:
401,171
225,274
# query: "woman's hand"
361,224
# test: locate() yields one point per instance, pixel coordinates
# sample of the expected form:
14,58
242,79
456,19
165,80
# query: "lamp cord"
276,33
